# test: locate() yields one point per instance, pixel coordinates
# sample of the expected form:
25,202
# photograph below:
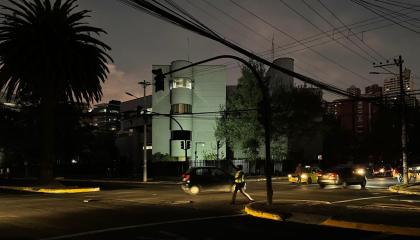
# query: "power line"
236,20
192,3
364,4
349,29
319,29
316,37
300,42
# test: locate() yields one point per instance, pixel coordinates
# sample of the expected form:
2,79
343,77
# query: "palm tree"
48,53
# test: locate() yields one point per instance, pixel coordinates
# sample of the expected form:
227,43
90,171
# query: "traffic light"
188,144
182,144
139,111
159,80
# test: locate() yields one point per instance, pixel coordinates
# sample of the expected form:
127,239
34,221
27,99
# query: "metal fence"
250,167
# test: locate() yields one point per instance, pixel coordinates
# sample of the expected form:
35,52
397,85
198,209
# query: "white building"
197,89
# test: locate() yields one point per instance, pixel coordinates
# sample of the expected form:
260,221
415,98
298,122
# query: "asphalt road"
163,211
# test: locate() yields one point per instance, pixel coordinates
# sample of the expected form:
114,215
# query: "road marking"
386,206
361,199
140,226
405,200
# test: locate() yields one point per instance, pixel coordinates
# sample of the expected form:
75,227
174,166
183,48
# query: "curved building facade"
192,90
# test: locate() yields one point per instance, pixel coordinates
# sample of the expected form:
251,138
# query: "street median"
262,214
51,190
410,189
331,215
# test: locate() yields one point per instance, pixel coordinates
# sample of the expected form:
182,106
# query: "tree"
295,112
242,128
48,53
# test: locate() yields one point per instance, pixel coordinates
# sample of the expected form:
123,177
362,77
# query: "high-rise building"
373,90
354,91
105,116
356,116
391,90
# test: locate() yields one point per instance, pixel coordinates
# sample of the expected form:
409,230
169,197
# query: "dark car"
198,179
343,175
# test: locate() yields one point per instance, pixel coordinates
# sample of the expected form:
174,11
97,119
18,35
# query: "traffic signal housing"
188,144
139,111
159,79
182,144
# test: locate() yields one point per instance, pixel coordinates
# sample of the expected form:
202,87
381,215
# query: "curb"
260,214
51,190
382,228
389,229
402,189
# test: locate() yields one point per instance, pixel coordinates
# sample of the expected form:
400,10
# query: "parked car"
309,175
343,175
199,179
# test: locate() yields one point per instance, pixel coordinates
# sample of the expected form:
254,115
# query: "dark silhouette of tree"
47,52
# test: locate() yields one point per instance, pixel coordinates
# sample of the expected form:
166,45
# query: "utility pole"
403,121
399,62
145,84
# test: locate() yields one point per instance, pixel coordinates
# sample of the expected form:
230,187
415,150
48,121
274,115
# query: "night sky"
139,40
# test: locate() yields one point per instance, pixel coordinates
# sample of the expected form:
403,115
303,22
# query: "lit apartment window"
182,83
181,108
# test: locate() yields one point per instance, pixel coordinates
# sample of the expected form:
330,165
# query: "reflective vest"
239,177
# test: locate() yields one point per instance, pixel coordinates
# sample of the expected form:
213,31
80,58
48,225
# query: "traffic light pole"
145,84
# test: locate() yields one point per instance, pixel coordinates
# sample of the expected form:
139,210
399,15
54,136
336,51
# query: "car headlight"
289,175
382,170
360,171
304,175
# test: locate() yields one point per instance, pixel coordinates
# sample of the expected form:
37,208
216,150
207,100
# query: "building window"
181,108
182,83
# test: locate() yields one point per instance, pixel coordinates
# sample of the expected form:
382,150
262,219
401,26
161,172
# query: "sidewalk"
326,214
411,189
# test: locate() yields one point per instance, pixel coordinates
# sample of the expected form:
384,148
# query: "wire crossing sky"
384,29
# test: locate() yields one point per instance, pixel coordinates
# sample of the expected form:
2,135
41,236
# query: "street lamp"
144,137
195,152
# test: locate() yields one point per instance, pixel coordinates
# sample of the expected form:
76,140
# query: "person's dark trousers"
240,187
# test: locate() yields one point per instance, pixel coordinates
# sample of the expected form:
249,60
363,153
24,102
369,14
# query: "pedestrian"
240,184
298,172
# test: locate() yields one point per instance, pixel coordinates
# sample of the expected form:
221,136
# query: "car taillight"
185,177
318,174
332,175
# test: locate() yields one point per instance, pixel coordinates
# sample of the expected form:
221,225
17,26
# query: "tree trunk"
47,136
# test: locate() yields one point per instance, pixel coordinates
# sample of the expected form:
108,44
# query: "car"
343,175
413,173
309,175
199,179
382,170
